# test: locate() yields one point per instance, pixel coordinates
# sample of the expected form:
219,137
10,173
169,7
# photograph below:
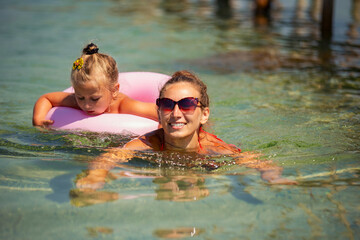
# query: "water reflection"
284,41
198,14
224,9
96,232
177,188
261,59
315,10
83,198
354,26
192,187
326,108
333,178
239,189
336,183
178,6
262,12
181,188
176,233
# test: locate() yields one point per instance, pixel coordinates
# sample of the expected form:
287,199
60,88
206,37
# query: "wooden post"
262,7
224,9
327,19
262,12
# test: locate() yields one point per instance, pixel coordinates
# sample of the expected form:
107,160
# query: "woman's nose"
176,111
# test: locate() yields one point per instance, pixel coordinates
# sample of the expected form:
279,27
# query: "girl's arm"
142,109
48,101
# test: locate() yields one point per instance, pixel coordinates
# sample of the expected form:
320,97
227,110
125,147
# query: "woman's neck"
190,143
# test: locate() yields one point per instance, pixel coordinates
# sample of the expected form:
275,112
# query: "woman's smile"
177,125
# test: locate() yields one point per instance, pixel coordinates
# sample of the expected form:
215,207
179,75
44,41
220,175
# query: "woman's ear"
205,115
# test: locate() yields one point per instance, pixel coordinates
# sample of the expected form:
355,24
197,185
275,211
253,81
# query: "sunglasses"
186,105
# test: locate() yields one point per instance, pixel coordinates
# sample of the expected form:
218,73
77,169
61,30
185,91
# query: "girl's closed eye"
80,98
95,99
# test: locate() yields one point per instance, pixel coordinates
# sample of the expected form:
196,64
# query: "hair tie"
90,51
78,64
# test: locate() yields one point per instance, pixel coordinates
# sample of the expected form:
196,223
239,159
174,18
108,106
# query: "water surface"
275,88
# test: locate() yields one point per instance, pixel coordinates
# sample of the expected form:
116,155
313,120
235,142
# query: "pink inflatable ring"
142,86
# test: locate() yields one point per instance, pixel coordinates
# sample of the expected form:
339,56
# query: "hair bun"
90,49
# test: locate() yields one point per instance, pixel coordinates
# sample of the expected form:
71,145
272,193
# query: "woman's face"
182,128
92,98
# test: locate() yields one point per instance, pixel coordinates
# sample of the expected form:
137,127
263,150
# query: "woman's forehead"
181,90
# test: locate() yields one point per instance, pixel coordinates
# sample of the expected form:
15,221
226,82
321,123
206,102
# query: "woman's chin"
176,133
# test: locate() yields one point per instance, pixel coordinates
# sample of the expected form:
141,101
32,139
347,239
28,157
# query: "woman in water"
183,108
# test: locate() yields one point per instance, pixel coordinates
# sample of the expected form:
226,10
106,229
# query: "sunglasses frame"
177,103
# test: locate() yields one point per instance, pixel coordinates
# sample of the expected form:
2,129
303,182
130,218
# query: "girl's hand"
42,122
46,123
48,101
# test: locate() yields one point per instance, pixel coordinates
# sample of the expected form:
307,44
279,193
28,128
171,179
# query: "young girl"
94,77
183,108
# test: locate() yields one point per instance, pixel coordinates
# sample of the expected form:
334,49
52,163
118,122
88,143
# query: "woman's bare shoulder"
151,140
137,144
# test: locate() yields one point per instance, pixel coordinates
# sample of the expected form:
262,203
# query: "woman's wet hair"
103,65
186,76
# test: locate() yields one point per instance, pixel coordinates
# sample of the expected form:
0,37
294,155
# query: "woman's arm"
268,170
48,101
100,167
142,109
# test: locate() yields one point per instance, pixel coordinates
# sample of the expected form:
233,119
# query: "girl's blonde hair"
93,62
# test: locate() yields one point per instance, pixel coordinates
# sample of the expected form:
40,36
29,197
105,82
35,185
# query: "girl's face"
93,98
182,127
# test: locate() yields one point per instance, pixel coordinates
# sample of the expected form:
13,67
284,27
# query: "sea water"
275,87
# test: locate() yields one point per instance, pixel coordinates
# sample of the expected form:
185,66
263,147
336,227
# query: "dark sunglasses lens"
166,104
188,104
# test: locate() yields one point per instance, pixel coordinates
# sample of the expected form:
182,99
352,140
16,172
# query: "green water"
274,89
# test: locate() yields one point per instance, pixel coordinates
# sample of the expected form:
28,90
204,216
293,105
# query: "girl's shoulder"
119,101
